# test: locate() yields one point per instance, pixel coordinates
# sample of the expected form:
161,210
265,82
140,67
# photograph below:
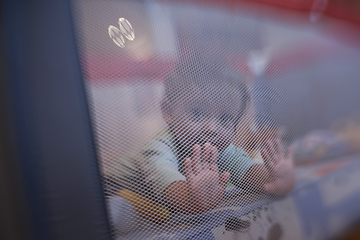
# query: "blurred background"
300,59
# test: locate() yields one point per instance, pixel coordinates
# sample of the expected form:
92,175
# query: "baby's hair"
200,73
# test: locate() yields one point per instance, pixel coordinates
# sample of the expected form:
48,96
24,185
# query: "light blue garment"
235,161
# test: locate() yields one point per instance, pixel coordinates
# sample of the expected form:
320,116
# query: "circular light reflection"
116,36
126,29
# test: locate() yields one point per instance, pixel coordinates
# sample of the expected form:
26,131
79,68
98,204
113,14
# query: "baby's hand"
280,167
206,186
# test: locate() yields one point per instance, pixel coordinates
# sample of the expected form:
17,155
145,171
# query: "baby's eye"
197,113
225,118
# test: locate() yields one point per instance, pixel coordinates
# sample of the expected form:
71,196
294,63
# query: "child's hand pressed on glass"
206,186
280,167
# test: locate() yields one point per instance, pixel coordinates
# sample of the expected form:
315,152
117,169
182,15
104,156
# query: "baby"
188,166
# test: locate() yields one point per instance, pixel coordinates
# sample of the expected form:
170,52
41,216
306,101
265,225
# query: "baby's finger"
279,187
196,159
289,154
279,151
265,155
189,170
273,149
273,188
224,178
206,155
269,150
213,159
280,146
269,163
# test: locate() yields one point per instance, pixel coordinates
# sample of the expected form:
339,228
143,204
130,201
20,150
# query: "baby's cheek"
187,130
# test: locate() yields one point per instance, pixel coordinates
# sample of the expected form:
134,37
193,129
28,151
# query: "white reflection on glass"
116,36
126,29
258,61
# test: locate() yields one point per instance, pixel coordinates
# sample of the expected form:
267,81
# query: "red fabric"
348,10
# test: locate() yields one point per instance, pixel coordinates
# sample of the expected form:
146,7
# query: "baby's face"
206,115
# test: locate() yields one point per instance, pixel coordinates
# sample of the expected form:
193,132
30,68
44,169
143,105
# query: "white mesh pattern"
194,109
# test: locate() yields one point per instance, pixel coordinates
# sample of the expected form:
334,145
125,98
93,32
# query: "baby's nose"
211,125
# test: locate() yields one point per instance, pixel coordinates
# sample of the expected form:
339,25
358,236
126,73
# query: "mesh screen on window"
222,120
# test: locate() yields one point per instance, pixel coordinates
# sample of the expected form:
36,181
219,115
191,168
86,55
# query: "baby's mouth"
213,141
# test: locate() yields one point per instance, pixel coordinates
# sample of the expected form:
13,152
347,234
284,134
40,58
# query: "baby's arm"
204,187
276,176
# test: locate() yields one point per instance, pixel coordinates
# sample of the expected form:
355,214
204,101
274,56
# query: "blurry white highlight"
126,29
116,36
